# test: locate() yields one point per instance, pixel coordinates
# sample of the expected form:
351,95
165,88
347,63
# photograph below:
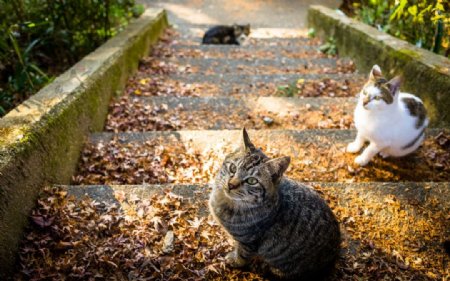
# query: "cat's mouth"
366,101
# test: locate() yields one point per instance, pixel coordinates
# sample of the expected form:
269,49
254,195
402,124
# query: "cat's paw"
361,160
353,147
277,272
232,259
384,154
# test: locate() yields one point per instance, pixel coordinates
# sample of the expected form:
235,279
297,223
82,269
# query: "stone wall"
41,139
425,74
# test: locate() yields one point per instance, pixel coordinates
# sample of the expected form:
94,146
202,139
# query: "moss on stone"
368,46
47,151
409,54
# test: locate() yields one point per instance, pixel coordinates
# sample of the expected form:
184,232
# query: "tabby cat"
393,122
284,223
223,34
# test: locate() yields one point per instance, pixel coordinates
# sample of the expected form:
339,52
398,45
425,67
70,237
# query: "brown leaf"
43,221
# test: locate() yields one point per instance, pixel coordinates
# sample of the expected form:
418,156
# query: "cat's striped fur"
269,216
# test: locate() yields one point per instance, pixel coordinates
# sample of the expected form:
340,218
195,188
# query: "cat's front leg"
357,144
367,154
239,257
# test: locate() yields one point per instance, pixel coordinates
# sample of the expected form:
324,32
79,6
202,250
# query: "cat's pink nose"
233,184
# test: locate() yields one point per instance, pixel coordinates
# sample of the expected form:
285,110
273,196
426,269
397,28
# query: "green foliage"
287,90
42,38
292,89
138,10
329,47
421,22
311,33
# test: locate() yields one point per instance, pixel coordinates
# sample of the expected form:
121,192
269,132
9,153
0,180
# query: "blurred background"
40,39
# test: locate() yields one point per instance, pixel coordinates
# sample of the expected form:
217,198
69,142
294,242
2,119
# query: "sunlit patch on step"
246,53
194,157
145,85
139,114
273,32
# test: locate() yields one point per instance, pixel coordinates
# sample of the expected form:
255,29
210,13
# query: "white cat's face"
374,98
378,93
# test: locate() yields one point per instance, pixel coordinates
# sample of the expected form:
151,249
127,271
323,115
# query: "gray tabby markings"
416,139
416,109
285,223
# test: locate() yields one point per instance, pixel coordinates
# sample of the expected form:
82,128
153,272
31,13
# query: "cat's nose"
233,183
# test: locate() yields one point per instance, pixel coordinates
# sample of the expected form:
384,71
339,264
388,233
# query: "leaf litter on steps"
171,161
128,114
383,239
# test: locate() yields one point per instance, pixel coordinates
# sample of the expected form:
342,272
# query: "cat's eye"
377,97
251,181
232,168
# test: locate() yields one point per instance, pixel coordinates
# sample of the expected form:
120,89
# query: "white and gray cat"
223,34
393,122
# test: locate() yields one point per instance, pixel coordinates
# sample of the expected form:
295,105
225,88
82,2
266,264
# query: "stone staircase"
183,111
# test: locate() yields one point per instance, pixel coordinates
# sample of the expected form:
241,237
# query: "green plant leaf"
439,7
413,10
16,47
30,47
38,70
398,12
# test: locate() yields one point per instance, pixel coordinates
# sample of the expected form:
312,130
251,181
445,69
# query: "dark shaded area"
41,39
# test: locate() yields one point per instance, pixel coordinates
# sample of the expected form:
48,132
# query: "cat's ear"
248,145
277,167
375,73
394,85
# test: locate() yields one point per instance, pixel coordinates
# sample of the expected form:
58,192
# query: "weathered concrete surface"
270,14
211,139
211,66
277,105
407,193
40,140
266,45
425,74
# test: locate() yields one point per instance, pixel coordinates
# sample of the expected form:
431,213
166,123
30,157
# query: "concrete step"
400,225
139,114
413,194
245,51
258,36
225,84
249,66
195,156
196,40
